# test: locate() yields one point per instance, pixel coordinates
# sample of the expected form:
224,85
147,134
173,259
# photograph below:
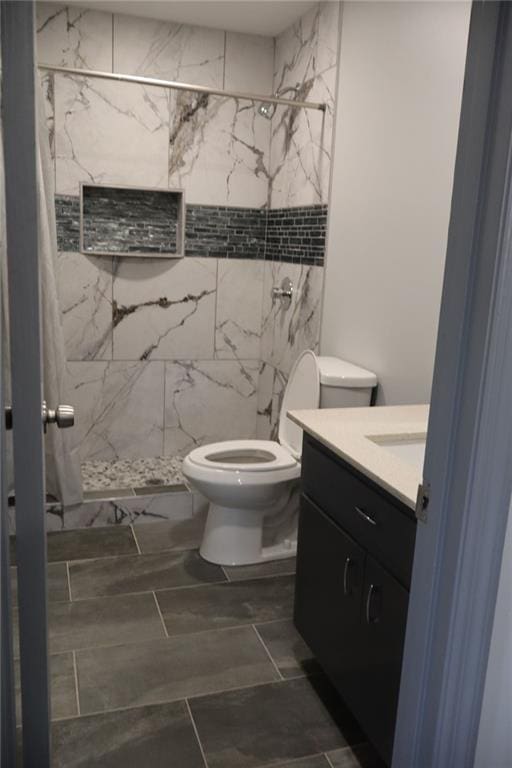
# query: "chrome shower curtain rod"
173,85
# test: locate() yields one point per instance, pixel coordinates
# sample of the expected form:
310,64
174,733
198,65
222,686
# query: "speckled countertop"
354,434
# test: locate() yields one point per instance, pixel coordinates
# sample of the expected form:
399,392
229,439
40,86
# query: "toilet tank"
343,384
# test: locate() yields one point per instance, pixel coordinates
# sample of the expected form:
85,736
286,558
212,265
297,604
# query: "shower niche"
139,222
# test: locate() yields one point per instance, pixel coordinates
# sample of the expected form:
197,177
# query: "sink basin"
411,450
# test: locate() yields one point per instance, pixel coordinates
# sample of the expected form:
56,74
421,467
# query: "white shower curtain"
63,478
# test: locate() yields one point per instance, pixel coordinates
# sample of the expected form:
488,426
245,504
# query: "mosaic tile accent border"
297,235
294,235
225,232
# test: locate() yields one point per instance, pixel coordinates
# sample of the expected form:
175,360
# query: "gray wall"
399,94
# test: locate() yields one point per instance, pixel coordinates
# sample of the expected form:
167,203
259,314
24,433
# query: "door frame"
469,445
22,212
7,693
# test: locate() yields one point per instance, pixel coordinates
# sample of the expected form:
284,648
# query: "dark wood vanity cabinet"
354,561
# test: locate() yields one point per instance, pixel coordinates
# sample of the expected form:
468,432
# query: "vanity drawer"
370,517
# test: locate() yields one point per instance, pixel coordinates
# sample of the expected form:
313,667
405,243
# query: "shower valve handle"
283,293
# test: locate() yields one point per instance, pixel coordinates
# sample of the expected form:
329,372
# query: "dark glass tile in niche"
131,221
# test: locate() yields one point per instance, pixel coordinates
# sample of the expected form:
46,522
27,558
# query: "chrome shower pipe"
173,85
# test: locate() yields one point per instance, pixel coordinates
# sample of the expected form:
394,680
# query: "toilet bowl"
248,480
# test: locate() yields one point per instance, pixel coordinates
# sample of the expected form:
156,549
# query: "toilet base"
233,536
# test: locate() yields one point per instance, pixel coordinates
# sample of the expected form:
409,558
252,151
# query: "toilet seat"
243,461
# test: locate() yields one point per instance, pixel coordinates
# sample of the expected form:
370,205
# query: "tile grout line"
267,652
69,583
200,695
194,726
148,592
226,574
145,641
203,584
160,613
139,551
75,670
347,747
294,761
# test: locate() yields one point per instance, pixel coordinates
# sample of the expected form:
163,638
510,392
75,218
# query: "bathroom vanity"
357,528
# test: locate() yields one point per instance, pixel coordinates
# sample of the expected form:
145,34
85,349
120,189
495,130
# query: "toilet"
247,480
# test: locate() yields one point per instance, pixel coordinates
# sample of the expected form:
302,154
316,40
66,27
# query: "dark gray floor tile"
90,543
149,737
316,761
171,534
287,648
272,723
140,573
272,568
103,621
62,686
164,670
359,756
226,605
57,576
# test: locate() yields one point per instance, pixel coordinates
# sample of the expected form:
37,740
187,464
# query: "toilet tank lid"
340,373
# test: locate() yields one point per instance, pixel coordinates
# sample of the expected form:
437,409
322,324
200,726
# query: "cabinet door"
382,639
328,594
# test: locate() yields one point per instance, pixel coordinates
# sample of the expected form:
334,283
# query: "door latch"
63,416
422,501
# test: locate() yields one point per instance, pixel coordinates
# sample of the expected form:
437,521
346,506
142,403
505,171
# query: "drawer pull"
366,517
371,592
346,588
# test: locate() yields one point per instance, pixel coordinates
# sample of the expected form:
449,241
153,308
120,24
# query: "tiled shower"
167,354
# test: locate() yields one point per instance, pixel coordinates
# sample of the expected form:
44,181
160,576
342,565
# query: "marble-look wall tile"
249,63
119,407
164,310
271,387
219,150
301,147
47,84
168,51
109,132
207,401
308,47
239,304
298,328
71,36
305,56
122,511
274,272
288,332
85,293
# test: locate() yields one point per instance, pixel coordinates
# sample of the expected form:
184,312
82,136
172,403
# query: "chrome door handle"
371,592
63,416
366,517
348,563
